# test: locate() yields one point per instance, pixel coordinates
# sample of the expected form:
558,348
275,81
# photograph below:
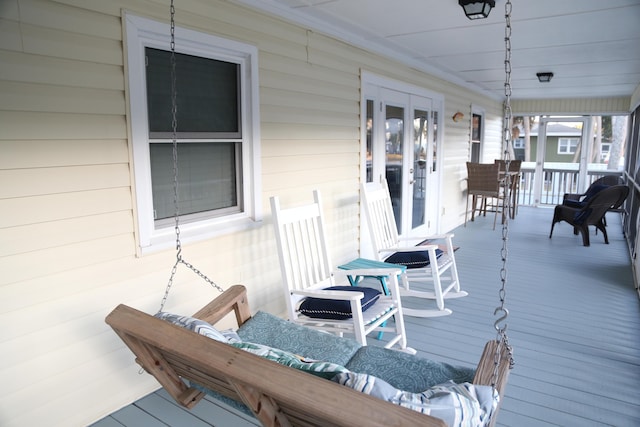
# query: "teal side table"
360,263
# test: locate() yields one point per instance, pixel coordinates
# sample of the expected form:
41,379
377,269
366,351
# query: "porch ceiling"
591,46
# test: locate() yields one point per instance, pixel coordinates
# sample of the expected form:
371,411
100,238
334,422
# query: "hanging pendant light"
544,77
476,9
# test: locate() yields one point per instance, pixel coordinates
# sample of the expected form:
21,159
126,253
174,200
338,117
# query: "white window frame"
565,146
477,111
518,143
141,33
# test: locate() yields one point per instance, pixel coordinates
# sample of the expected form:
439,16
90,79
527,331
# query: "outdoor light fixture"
476,9
544,77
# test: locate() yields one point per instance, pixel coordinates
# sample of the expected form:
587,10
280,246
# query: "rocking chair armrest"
447,237
324,294
409,249
438,236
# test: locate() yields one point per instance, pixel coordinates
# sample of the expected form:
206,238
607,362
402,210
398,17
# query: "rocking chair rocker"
425,262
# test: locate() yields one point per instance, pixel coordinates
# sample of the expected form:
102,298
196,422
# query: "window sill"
165,238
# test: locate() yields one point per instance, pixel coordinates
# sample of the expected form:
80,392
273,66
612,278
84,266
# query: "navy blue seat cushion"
412,259
338,309
405,371
581,216
267,329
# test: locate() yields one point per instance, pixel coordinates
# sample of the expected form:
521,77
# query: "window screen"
207,177
207,96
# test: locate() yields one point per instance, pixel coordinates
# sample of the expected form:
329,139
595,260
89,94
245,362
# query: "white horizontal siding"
34,69
39,153
67,233
620,105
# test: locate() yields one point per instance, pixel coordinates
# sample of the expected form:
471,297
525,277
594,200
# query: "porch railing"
559,178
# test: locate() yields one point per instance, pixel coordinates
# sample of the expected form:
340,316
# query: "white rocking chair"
307,271
427,263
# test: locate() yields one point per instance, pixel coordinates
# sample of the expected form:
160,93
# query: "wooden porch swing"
188,364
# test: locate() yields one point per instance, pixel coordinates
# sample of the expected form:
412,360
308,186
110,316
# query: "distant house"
562,143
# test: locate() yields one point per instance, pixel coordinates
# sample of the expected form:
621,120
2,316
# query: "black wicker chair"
576,200
592,213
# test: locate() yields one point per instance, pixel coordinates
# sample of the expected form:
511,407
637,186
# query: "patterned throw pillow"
199,326
406,371
265,328
322,369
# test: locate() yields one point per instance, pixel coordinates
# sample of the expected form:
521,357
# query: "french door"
402,145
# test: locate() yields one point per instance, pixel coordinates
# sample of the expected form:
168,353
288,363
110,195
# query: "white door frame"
381,90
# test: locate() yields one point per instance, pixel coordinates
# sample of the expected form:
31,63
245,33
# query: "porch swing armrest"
233,299
485,369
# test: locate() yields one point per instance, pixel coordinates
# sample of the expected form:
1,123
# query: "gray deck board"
574,324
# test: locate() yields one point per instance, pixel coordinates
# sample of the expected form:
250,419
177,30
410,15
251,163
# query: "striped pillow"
459,405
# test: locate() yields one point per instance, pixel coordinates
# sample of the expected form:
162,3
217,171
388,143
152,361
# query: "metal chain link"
174,129
500,324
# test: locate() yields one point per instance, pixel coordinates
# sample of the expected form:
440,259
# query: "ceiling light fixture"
476,9
544,77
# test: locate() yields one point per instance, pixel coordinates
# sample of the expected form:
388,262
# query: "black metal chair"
592,213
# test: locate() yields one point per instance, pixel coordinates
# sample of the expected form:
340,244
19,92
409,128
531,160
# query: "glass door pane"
394,149
420,146
369,135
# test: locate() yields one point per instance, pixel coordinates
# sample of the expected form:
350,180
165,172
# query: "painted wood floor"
574,324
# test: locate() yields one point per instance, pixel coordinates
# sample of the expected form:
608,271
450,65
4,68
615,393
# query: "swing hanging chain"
500,324
176,206
174,131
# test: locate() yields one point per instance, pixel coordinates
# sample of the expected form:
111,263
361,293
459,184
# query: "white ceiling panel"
591,46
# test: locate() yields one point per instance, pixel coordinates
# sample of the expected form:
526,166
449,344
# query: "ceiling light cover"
544,77
476,9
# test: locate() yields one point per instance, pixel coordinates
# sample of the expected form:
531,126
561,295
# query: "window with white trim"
217,131
567,145
477,134
518,143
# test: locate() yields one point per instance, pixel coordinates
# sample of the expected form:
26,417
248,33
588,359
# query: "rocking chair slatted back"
439,274
305,257
380,217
